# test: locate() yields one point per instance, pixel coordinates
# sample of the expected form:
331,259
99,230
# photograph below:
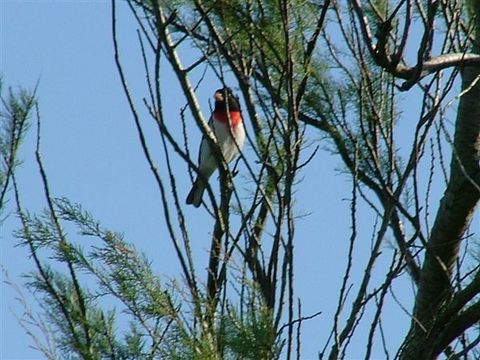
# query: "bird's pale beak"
218,96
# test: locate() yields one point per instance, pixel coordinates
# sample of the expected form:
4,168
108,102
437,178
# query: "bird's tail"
195,195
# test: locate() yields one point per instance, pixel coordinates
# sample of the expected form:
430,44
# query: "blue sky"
92,155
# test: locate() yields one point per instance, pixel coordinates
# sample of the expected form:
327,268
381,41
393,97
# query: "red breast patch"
235,117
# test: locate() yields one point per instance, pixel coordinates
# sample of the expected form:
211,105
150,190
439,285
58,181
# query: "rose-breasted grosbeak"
227,124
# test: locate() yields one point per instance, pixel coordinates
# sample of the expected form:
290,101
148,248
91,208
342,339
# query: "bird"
226,122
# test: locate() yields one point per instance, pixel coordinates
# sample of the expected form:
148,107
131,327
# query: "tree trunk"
453,217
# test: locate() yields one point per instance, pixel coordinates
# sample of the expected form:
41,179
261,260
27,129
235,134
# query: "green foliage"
83,327
293,76
14,116
250,335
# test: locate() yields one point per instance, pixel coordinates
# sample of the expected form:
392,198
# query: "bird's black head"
224,96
